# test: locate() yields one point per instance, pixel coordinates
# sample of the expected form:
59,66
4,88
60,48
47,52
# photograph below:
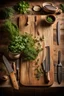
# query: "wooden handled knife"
46,64
11,73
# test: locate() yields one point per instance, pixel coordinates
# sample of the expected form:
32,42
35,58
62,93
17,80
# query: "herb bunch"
26,45
22,7
11,28
62,7
16,45
6,13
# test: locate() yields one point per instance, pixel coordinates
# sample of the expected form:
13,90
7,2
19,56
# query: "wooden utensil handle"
14,81
47,77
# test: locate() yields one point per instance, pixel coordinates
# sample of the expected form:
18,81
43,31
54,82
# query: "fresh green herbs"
49,19
16,45
22,7
26,45
6,13
11,28
62,7
30,52
38,72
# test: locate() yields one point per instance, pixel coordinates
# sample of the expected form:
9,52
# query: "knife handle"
14,81
47,77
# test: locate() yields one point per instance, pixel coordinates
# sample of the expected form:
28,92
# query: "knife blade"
59,68
58,33
46,64
17,68
11,73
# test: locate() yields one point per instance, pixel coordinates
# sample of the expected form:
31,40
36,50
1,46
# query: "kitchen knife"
17,68
11,73
59,68
58,33
46,64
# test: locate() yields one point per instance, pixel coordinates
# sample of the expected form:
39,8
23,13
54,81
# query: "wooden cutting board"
37,27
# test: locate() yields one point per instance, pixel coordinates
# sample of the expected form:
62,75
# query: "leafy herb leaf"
6,13
11,28
62,7
22,7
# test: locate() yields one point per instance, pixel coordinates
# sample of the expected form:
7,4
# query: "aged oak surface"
55,47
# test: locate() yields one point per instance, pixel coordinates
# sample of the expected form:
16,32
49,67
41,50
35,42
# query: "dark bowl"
52,17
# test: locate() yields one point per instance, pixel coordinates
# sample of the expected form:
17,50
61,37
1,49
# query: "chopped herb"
38,72
37,62
39,44
42,38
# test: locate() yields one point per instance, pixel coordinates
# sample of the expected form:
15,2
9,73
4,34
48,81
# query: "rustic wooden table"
39,90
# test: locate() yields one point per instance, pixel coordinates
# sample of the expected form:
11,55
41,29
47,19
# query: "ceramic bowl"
36,8
13,55
48,17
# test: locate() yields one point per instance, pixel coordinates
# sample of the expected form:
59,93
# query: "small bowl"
49,7
50,19
36,8
13,55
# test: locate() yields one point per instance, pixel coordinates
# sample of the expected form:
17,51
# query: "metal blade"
46,62
59,73
17,68
7,64
58,33
59,68
47,65
17,62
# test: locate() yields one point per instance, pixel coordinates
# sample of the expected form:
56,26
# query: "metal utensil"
17,69
11,73
58,33
46,65
59,68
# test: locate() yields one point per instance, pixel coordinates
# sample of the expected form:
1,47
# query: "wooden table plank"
55,47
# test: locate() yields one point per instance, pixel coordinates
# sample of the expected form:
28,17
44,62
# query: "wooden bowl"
48,21
49,7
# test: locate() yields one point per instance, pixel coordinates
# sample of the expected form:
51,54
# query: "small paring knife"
59,68
11,73
17,69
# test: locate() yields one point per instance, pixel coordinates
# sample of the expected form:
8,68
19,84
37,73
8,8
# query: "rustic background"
55,88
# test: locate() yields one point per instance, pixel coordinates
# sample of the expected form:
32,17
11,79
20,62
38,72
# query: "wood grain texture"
38,29
55,47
